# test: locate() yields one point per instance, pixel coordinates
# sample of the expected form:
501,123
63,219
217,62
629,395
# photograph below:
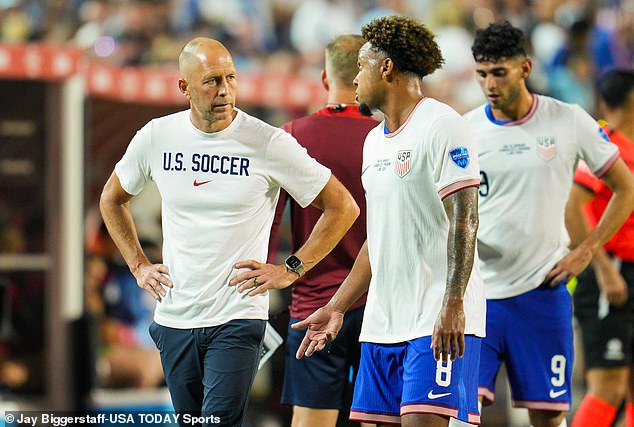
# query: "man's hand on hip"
570,265
154,278
262,277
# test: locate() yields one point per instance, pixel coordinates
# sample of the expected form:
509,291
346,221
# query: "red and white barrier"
145,85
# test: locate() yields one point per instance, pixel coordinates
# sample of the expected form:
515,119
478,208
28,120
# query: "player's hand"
322,326
447,339
570,266
262,277
612,284
154,278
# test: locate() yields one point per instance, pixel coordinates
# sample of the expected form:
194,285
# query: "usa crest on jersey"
546,148
403,162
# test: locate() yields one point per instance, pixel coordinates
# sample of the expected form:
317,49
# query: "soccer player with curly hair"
424,316
528,147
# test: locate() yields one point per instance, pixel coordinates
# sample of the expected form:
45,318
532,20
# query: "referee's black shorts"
607,330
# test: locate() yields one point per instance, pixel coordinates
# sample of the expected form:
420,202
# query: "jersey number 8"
443,373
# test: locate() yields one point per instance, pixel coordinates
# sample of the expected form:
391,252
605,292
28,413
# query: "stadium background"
79,77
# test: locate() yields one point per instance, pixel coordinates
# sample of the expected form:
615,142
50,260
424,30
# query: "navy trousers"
209,371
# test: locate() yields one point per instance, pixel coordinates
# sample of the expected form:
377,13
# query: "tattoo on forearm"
462,210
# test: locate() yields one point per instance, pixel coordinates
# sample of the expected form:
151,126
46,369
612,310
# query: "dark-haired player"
604,297
334,137
425,305
528,147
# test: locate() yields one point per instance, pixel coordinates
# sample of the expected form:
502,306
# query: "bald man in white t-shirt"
219,172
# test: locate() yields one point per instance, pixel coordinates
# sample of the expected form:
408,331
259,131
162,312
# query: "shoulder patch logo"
546,148
460,157
604,135
403,163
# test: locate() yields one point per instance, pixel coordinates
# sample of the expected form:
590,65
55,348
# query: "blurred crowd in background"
571,41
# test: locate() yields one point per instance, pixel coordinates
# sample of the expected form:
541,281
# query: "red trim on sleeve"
606,167
457,186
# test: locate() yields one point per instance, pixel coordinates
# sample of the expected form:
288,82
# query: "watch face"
293,262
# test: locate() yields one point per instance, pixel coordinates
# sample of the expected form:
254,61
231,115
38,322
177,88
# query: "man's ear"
324,80
527,66
387,68
183,87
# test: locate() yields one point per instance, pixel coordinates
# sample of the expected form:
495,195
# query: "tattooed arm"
462,211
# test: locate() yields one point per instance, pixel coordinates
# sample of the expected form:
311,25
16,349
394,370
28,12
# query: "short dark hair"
407,42
341,57
499,40
616,86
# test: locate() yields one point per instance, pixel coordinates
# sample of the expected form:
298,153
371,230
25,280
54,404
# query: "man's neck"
208,126
399,106
401,99
341,96
516,111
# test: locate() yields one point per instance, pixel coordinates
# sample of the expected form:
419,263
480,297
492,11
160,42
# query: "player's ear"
183,87
527,66
387,67
324,80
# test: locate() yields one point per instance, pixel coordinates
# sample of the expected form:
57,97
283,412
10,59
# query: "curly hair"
497,41
407,42
616,86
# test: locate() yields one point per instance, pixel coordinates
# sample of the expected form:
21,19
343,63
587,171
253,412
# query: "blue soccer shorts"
532,334
403,378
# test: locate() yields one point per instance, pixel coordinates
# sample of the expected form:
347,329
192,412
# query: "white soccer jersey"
406,174
527,168
219,192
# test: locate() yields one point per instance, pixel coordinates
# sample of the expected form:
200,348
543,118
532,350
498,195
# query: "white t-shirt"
406,174
527,168
219,192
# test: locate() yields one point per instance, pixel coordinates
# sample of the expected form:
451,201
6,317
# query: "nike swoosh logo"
555,394
433,396
363,171
197,184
